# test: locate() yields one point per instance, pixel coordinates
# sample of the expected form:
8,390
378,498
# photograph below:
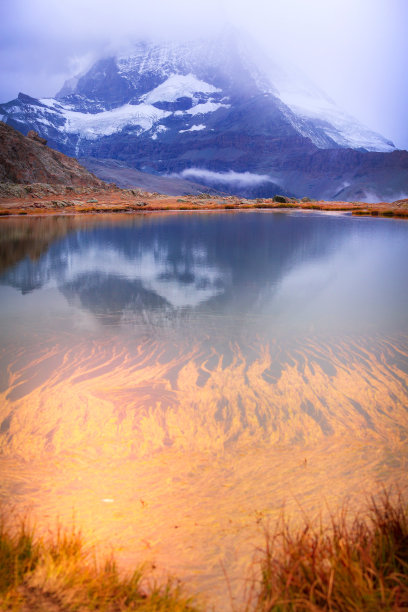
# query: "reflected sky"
298,271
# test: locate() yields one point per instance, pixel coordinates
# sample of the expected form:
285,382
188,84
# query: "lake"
171,381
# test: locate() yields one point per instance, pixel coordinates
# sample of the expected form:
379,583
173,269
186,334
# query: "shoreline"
355,558
46,200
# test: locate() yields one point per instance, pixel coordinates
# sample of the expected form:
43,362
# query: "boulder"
281,199
35,136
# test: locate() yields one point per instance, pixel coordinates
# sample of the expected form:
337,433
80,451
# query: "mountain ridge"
214,105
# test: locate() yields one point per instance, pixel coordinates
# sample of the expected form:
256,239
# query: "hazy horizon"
342,46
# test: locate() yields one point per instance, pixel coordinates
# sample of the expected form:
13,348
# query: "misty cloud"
238,179
371,197
355,51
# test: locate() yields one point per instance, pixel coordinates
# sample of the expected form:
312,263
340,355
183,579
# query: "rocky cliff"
27,159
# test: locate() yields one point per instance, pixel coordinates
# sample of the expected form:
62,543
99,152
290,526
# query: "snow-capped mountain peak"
196,78
218,104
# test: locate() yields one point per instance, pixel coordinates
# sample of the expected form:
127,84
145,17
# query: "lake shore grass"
352,564
349,565
59,574
39,199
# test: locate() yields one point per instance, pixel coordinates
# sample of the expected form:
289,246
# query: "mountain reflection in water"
159,360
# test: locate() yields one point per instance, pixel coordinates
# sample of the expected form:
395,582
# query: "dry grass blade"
58,575
352,565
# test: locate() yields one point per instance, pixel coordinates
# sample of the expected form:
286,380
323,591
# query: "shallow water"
172,380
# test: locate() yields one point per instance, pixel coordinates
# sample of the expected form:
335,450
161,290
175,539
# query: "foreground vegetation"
347,566
42,199
59,575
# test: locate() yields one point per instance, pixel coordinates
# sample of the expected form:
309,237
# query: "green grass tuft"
59,575
18,554
387,213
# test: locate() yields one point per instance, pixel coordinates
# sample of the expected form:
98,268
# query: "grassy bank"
39,199
57,575
350,565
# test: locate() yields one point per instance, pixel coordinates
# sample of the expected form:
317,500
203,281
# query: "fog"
238,179
355,51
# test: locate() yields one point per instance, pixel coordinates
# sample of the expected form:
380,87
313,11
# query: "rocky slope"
27,159
114,171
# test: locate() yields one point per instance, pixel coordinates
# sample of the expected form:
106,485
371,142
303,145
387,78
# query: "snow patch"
159,129
194,128
206,107
92,126
45,121
337,125
51,103
105,123
178,86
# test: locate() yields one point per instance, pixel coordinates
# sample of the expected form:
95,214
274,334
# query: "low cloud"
401,196
237,179
374,198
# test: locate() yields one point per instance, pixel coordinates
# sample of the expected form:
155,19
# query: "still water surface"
174,379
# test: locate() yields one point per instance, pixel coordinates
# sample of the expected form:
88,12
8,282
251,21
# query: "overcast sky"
355,50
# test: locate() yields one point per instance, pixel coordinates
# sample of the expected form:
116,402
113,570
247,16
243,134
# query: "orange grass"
349,566
58,574
124,201
352,565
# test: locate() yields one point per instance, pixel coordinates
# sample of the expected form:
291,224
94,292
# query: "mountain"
219,112
27,159
114,171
